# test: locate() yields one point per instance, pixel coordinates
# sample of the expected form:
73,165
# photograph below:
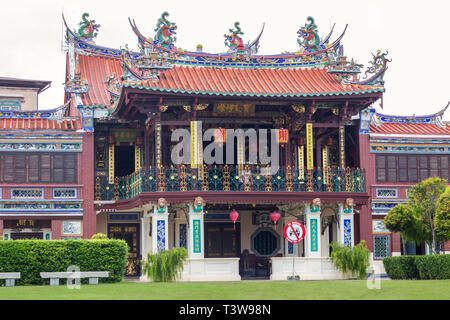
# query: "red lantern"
234,216
220,136
283,136
275,216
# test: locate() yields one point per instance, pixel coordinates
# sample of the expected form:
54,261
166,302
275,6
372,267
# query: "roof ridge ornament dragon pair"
160,53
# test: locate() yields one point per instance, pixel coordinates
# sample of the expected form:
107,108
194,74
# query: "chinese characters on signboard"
196,236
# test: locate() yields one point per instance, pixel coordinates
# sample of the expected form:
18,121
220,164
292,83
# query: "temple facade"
218,152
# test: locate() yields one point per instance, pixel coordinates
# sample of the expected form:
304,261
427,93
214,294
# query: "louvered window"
411,168
36,167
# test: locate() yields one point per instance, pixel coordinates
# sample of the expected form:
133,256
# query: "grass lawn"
250,290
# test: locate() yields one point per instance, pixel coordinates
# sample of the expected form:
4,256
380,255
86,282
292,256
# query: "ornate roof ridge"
51,114
435,118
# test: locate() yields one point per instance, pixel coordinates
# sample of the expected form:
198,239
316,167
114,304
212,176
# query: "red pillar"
1,227
396,243
56,229
86,175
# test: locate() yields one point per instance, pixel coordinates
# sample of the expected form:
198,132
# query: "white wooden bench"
10,278
92,275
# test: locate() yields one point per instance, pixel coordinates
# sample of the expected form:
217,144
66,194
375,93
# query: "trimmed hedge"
418,267
30,257
401,267
434,266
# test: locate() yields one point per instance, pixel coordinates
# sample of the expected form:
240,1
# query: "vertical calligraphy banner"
309,147
342,146
158,144
197,236
111,163
199,151
194,144
325,163
301,162
137,157
241,152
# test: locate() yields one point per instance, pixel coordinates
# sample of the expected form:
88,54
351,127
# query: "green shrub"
418,267
165,265
99,236
30,257
354,259
401,267
434,266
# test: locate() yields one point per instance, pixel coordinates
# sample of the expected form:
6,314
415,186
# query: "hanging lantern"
234,216
220,136
275,216
283,136
301,141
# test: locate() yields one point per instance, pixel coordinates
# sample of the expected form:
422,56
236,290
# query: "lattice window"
65,193
387,193
382,246
27,193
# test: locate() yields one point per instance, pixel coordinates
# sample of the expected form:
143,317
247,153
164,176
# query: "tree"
401,220
442,220
423,202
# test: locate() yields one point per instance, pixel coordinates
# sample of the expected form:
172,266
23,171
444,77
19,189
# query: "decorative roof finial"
309,36
87,31
165,32
233,40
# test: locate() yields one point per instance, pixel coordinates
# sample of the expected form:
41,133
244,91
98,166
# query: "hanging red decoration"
220,136
283,136
234,216
275,216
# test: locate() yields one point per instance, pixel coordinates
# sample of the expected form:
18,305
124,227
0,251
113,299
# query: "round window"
265,242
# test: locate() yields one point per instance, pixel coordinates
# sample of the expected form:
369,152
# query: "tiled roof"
39,124
411,128
95,69
411,125
219,81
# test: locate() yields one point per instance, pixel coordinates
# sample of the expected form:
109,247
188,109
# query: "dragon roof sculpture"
156,55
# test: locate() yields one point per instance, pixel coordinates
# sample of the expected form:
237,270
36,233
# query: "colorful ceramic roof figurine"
318,69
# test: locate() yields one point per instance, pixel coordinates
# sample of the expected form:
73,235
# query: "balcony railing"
226,178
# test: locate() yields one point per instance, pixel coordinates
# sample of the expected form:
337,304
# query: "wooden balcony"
231,179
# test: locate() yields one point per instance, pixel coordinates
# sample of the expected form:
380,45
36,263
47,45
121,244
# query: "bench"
92,275
9,278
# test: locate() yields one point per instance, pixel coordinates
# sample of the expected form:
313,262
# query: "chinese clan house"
283,131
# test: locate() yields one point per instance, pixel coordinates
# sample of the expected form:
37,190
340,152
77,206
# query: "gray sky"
416,34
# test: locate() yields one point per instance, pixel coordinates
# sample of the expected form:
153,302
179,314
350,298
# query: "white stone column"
313,231
346,224
146,239
196,239
160,227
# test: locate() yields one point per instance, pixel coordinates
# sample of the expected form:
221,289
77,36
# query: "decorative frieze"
40,147
65,193
387,193
27,194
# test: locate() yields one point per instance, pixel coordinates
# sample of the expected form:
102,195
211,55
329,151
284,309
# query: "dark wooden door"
130,233
221,240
